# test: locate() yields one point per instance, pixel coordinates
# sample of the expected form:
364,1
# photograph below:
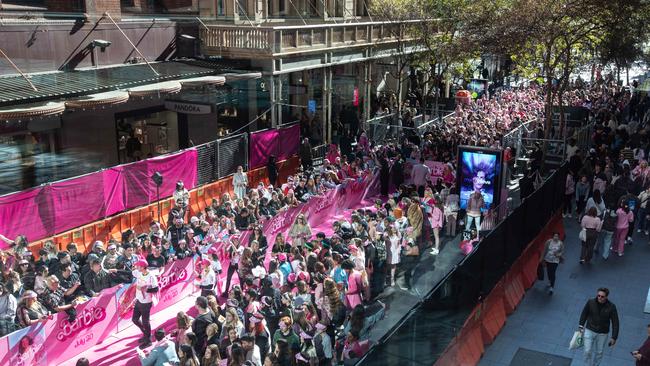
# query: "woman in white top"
393,242
597,202
240,182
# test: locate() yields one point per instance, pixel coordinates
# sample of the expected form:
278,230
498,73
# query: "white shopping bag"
576,340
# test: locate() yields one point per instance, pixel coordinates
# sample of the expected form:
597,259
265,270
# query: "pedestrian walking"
569,190
551,258
591,224
582,192
625,217
597,315
610,218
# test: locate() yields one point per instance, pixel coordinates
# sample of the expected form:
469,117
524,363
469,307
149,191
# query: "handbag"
576,341
583,235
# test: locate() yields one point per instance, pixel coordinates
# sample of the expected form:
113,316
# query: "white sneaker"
646,232
638,230
435,251
569,216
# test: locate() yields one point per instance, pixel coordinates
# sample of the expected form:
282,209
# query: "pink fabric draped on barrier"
61,206
289,141
141,190
262,145
21,213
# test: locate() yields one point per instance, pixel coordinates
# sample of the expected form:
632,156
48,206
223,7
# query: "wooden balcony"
274,41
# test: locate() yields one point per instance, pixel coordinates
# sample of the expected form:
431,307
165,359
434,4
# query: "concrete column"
274,101
252,103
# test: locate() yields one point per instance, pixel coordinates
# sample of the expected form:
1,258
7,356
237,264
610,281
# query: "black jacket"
598,316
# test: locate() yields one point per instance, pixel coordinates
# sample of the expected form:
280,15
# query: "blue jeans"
594,344
643,224
607,242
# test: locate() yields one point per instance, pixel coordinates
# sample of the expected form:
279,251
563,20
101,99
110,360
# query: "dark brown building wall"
175,4
37,48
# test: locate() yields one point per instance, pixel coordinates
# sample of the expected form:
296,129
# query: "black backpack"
609,221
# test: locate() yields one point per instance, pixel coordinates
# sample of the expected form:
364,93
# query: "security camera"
101,43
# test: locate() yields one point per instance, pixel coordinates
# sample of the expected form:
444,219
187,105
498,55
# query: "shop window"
142,136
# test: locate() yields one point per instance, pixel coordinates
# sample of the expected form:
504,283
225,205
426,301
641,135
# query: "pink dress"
355,286
436,218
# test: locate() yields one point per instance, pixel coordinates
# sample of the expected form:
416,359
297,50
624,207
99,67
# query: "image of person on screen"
478,174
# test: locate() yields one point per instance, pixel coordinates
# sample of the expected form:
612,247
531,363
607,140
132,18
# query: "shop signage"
188,108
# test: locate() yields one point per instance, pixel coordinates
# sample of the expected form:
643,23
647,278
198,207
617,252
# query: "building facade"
321,62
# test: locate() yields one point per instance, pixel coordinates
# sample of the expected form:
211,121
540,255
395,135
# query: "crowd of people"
305,297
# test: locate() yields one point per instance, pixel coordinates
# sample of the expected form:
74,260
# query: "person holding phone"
595,320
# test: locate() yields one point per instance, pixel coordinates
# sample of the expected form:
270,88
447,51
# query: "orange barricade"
125,223
115,226
514,290
471,348
493,314
102,232
194,203
200,199
134,219
145,219
165,207
153,209
77,237
89,234
35,247
62,240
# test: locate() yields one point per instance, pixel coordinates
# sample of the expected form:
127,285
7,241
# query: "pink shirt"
590,222
624,219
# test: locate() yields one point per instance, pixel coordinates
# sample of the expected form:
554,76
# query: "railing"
281,39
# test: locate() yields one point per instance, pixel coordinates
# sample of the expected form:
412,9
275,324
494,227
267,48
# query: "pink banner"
181,166
57,340
281,222
289,141
175,283
320,208
261,146
114,191
77,201
26,213
437,169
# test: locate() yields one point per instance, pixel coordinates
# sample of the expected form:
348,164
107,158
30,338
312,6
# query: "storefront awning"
71,84
97,100
202,81
246,76
167,87
26,111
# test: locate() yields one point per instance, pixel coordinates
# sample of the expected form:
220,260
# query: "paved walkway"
546,323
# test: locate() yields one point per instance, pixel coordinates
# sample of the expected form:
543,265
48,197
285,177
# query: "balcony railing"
274,40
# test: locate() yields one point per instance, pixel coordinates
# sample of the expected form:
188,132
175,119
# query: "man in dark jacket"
597,314
97,278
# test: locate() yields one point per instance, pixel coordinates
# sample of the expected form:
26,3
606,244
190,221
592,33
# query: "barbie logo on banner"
174,275
87,318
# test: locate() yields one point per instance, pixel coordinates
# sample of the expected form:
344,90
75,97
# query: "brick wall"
98,7
65,6
176,4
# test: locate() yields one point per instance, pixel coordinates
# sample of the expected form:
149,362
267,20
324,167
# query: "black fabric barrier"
233,152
